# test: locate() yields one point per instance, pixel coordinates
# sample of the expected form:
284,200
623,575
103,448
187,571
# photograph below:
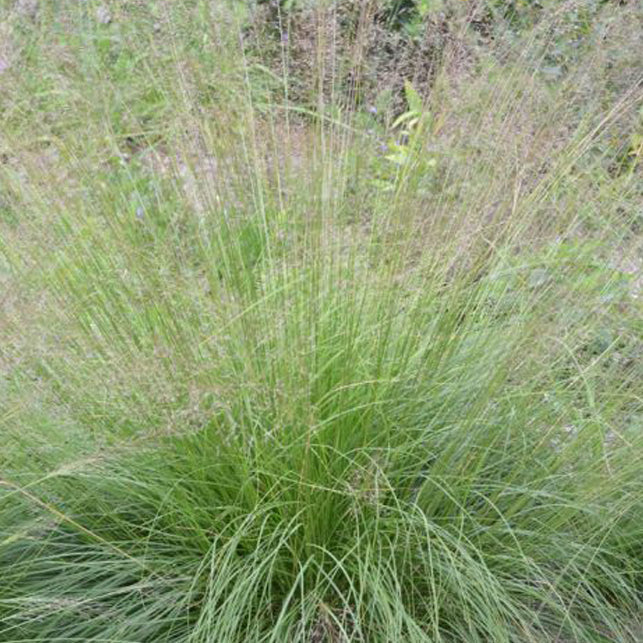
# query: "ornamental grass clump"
296,362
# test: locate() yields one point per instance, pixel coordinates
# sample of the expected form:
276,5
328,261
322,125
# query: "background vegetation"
321,321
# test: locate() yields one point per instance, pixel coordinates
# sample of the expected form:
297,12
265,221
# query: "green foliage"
263,380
